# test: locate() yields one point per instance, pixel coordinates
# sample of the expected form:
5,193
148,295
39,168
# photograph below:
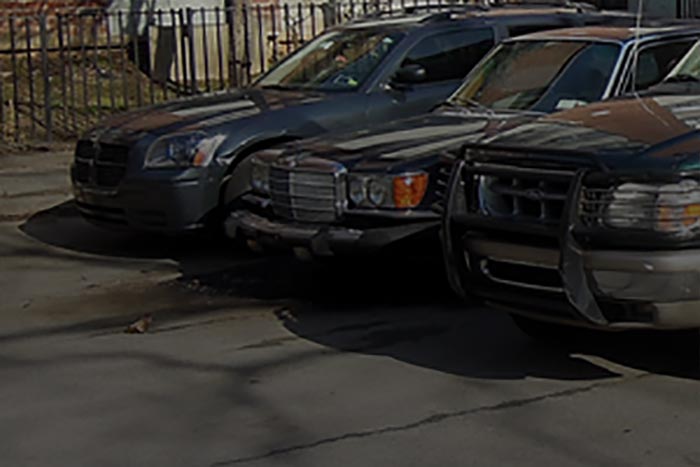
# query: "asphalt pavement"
254,360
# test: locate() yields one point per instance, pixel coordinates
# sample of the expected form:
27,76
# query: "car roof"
455,13
611,33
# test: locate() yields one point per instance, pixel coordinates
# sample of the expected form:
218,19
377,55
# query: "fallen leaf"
140,326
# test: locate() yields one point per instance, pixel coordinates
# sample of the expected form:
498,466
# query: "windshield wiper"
682,78
451,105
281,87
473,103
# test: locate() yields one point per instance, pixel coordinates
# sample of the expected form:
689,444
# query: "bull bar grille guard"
578,286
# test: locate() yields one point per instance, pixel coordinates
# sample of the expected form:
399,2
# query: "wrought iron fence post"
2,104
183,49
192,52
46,77
205,50
125,75
233,48
246,42
96,64
30,76
219,48
62,60
110,64
15,77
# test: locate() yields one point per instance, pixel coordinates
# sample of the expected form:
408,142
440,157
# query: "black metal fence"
61,71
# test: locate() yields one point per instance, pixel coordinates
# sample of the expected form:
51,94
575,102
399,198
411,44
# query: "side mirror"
408,75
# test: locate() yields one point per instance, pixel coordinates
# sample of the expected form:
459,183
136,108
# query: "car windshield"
338,60
540,76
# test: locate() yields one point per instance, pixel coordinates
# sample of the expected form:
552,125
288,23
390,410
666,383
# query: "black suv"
361,191
167,168
588,217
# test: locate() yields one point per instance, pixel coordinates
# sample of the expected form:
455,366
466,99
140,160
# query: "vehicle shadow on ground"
401,307
393,305
484,343
62,226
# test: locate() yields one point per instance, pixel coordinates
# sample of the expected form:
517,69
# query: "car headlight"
377,191
357,190
669,208
403,191
260,176
183,150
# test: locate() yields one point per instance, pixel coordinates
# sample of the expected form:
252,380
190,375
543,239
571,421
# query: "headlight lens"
357,190
671,208
260,176
377,192
403,191
183,150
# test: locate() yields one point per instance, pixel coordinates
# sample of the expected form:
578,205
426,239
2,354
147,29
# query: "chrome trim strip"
298,196
514,253
483,266
522,170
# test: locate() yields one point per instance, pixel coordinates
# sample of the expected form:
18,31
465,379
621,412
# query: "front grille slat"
305,195
520,195
101,165
281,194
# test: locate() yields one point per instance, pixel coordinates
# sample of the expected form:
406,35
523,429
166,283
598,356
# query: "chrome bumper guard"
667,283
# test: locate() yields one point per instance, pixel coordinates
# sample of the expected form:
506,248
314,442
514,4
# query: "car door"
446,58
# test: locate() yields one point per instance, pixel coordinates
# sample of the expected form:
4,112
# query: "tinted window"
544,76
338,60
451,55
655,62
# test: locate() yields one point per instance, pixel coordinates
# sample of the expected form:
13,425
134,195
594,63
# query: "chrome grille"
306,195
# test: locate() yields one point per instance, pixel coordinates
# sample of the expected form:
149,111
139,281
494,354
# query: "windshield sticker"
566,104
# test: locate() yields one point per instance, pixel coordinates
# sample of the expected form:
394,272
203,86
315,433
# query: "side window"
451,55
657,61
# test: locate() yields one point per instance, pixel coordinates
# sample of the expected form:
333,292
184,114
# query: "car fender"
236,179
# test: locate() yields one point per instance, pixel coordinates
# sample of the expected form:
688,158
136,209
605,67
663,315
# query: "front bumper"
159,202
546,272
633,289
322,240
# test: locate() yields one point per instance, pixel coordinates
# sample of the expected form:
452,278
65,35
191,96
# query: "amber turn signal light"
409,190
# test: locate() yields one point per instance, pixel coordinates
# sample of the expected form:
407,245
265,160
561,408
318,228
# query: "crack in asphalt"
430,420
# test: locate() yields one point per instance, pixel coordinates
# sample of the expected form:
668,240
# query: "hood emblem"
289,161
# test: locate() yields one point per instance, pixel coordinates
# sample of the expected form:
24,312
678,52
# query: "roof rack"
560,3
485,5
444,10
